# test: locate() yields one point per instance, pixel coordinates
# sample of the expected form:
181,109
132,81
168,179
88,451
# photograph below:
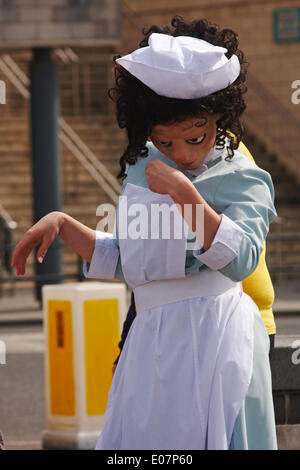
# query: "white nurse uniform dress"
194,371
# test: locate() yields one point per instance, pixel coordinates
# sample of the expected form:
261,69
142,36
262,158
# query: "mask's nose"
180,155
181,161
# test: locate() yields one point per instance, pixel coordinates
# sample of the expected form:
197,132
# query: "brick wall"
27,23
275,66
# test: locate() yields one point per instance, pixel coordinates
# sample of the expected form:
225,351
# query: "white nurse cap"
182,66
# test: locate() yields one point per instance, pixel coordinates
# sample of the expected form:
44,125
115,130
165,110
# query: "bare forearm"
77,236
186,193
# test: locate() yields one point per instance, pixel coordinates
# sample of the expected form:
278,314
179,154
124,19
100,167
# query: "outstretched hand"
44,232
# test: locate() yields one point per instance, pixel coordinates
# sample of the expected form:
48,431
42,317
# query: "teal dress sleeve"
245,199
253,212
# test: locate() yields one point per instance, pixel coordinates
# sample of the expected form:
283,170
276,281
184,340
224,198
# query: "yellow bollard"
82,324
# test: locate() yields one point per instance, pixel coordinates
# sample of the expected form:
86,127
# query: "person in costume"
258,286
194,372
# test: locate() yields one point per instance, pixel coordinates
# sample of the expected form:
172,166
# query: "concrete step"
24,153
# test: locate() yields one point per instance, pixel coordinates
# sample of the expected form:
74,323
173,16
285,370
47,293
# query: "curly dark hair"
139,108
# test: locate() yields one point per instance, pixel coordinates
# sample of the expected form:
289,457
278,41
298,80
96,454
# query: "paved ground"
22,396
22,386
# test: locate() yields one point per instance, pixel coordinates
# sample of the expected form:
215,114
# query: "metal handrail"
9,222
15,80
66,55
103,171
133,16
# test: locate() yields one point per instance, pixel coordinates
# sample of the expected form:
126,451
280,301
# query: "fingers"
43,232
22,266
23,250
20,256
43,250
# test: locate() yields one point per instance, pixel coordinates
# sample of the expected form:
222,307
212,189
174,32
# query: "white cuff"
105,257
224,247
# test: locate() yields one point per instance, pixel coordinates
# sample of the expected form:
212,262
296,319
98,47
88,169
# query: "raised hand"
162,178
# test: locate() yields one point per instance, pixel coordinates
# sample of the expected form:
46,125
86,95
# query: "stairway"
82,195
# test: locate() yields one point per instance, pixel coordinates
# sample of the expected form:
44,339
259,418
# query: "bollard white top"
83,287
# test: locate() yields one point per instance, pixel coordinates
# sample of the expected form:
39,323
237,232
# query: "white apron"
186,364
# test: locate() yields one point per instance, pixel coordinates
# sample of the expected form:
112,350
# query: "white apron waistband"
206,283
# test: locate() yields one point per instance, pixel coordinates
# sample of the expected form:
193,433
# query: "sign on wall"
286,24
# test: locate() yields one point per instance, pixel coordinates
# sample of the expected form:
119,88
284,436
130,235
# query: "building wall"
26,23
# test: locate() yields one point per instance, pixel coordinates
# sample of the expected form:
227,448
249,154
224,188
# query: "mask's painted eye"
197,140
164,144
